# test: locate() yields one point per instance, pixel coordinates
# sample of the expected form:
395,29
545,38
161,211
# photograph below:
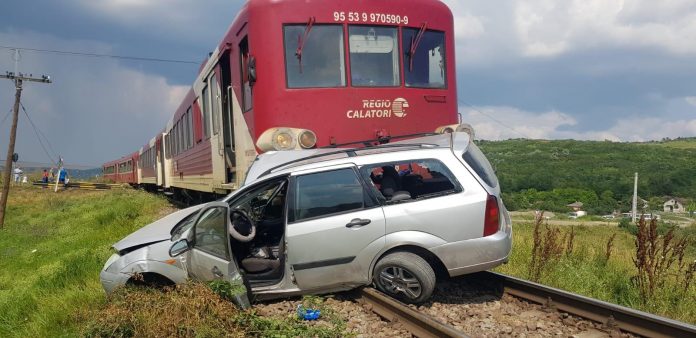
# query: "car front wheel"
405,276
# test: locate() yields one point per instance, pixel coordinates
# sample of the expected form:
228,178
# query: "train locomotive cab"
303,74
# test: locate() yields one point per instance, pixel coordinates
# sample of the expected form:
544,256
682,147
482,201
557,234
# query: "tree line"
549,174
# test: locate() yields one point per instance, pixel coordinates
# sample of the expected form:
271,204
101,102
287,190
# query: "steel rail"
419,324
612,315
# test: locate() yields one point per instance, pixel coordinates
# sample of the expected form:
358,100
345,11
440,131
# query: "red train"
123,170
297,74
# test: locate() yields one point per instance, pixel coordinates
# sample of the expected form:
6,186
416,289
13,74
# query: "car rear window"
478,161
425,178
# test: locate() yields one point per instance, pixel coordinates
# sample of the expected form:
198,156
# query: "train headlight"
307,139
464,127
286,138
283,139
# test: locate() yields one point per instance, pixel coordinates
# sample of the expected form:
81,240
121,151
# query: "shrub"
655,260
546,249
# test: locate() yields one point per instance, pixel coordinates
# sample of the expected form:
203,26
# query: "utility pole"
18,79
634,213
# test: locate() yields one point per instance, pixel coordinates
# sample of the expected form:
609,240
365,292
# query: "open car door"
208,254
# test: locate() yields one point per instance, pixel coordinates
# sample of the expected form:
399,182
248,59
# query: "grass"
587,272
52,248
195,310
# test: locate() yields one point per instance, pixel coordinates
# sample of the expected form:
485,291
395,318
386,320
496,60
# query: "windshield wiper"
301,39
415,41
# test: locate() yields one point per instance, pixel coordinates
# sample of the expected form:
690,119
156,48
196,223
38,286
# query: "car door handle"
216,272
358,221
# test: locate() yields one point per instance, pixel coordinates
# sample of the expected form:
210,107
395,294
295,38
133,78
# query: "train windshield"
374,61
424,58
314,56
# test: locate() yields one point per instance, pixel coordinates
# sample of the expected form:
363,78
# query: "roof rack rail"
351,152
380,140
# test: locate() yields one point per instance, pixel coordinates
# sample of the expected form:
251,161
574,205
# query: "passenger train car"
299,74
123,170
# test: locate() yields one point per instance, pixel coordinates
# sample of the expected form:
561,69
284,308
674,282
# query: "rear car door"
335,228
210,257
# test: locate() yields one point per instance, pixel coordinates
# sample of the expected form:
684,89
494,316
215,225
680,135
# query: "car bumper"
475,255
110,281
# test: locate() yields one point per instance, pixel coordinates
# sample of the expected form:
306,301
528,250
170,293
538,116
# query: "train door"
160,162
227,126
213,107
243,67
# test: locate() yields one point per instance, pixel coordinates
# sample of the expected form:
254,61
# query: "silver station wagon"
319,221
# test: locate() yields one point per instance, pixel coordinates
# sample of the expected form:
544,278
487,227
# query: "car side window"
266,201
328,193
211,232
411,180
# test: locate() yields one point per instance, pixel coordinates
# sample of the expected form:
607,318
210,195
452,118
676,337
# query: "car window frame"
180,228
192,235
365,175
370,200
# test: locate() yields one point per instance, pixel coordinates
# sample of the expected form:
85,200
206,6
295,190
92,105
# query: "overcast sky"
622,70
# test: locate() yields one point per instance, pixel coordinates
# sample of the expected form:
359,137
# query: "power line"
494,119
111,56
37,134
6,116
41,133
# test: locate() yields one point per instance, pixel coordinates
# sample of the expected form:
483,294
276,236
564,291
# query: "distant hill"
75,174
679,143
603,169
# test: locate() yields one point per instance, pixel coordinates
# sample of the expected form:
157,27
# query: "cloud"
691,100
167,19
548,28
501,122
500,31
95,109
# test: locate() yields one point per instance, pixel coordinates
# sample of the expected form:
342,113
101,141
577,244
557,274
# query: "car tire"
405,276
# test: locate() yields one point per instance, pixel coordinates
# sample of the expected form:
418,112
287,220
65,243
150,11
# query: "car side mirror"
179,247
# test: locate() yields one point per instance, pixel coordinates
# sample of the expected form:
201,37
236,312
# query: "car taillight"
492,221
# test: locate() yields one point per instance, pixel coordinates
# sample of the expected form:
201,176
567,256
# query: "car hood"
157,231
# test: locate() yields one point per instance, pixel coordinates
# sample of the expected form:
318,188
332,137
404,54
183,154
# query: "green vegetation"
53,247
548,175
195,310
598,262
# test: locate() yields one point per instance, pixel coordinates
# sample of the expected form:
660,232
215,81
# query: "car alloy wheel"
399,280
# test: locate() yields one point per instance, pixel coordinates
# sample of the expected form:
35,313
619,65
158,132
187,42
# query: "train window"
165,142
177,137
172,140
206,112
424,58
314,56
214,102
247,93
182,145
189,119
374,61
187,131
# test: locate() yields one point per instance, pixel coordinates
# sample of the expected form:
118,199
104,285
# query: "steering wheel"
242,224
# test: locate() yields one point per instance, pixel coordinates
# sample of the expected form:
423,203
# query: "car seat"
264,259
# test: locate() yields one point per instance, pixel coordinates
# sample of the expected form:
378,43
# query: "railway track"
558,304
80,185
